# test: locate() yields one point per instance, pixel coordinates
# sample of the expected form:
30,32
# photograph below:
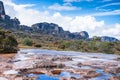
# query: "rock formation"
51,29
2,11
55,30
108,39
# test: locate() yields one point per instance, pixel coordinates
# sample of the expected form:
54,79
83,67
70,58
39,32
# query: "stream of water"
77,57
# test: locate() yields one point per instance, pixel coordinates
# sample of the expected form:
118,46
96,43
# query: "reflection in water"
46,77
103,76
68,75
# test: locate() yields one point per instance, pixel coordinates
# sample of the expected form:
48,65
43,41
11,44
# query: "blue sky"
97,17
80,7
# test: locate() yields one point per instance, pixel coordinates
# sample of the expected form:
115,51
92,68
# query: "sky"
97,17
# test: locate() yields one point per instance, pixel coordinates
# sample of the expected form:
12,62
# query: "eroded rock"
115,78
57,71
113,70
88,73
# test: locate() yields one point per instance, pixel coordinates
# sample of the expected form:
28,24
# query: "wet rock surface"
59,66
115,78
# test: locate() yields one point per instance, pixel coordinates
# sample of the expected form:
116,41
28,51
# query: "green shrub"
27,41
7,42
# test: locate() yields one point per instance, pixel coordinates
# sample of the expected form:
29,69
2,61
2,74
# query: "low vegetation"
91,46
9,44
50,42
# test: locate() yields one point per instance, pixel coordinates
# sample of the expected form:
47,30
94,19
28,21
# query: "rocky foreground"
35,66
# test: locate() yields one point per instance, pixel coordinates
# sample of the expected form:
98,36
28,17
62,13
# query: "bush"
27,41
7,42
37,45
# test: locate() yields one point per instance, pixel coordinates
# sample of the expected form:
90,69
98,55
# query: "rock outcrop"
81,35
2,11
51,29
108,39
55,30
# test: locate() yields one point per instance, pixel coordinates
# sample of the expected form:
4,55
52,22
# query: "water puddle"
68,75
104,75
55,77
46,77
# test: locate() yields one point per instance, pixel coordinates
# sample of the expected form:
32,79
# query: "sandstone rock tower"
2,11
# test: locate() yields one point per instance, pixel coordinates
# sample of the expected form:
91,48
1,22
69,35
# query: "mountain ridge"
44,28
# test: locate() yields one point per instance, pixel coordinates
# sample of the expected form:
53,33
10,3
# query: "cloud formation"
107,5
114,30
72,0
29,16
63,7
107,13
106,0
76,0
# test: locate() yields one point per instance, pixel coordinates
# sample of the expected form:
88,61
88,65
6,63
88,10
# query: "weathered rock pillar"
2,10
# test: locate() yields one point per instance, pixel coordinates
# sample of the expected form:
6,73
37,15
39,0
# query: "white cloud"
59,7
106,0
113,31
26,15
29,16
107,5
107,13
88,23
77,0
72,0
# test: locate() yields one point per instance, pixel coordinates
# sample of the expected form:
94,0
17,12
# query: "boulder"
58,71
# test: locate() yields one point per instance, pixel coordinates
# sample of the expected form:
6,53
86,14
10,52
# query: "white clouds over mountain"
29,16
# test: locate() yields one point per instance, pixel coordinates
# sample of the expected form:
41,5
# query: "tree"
7,42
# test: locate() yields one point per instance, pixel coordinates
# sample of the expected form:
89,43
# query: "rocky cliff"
51,29
55,30
2,11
